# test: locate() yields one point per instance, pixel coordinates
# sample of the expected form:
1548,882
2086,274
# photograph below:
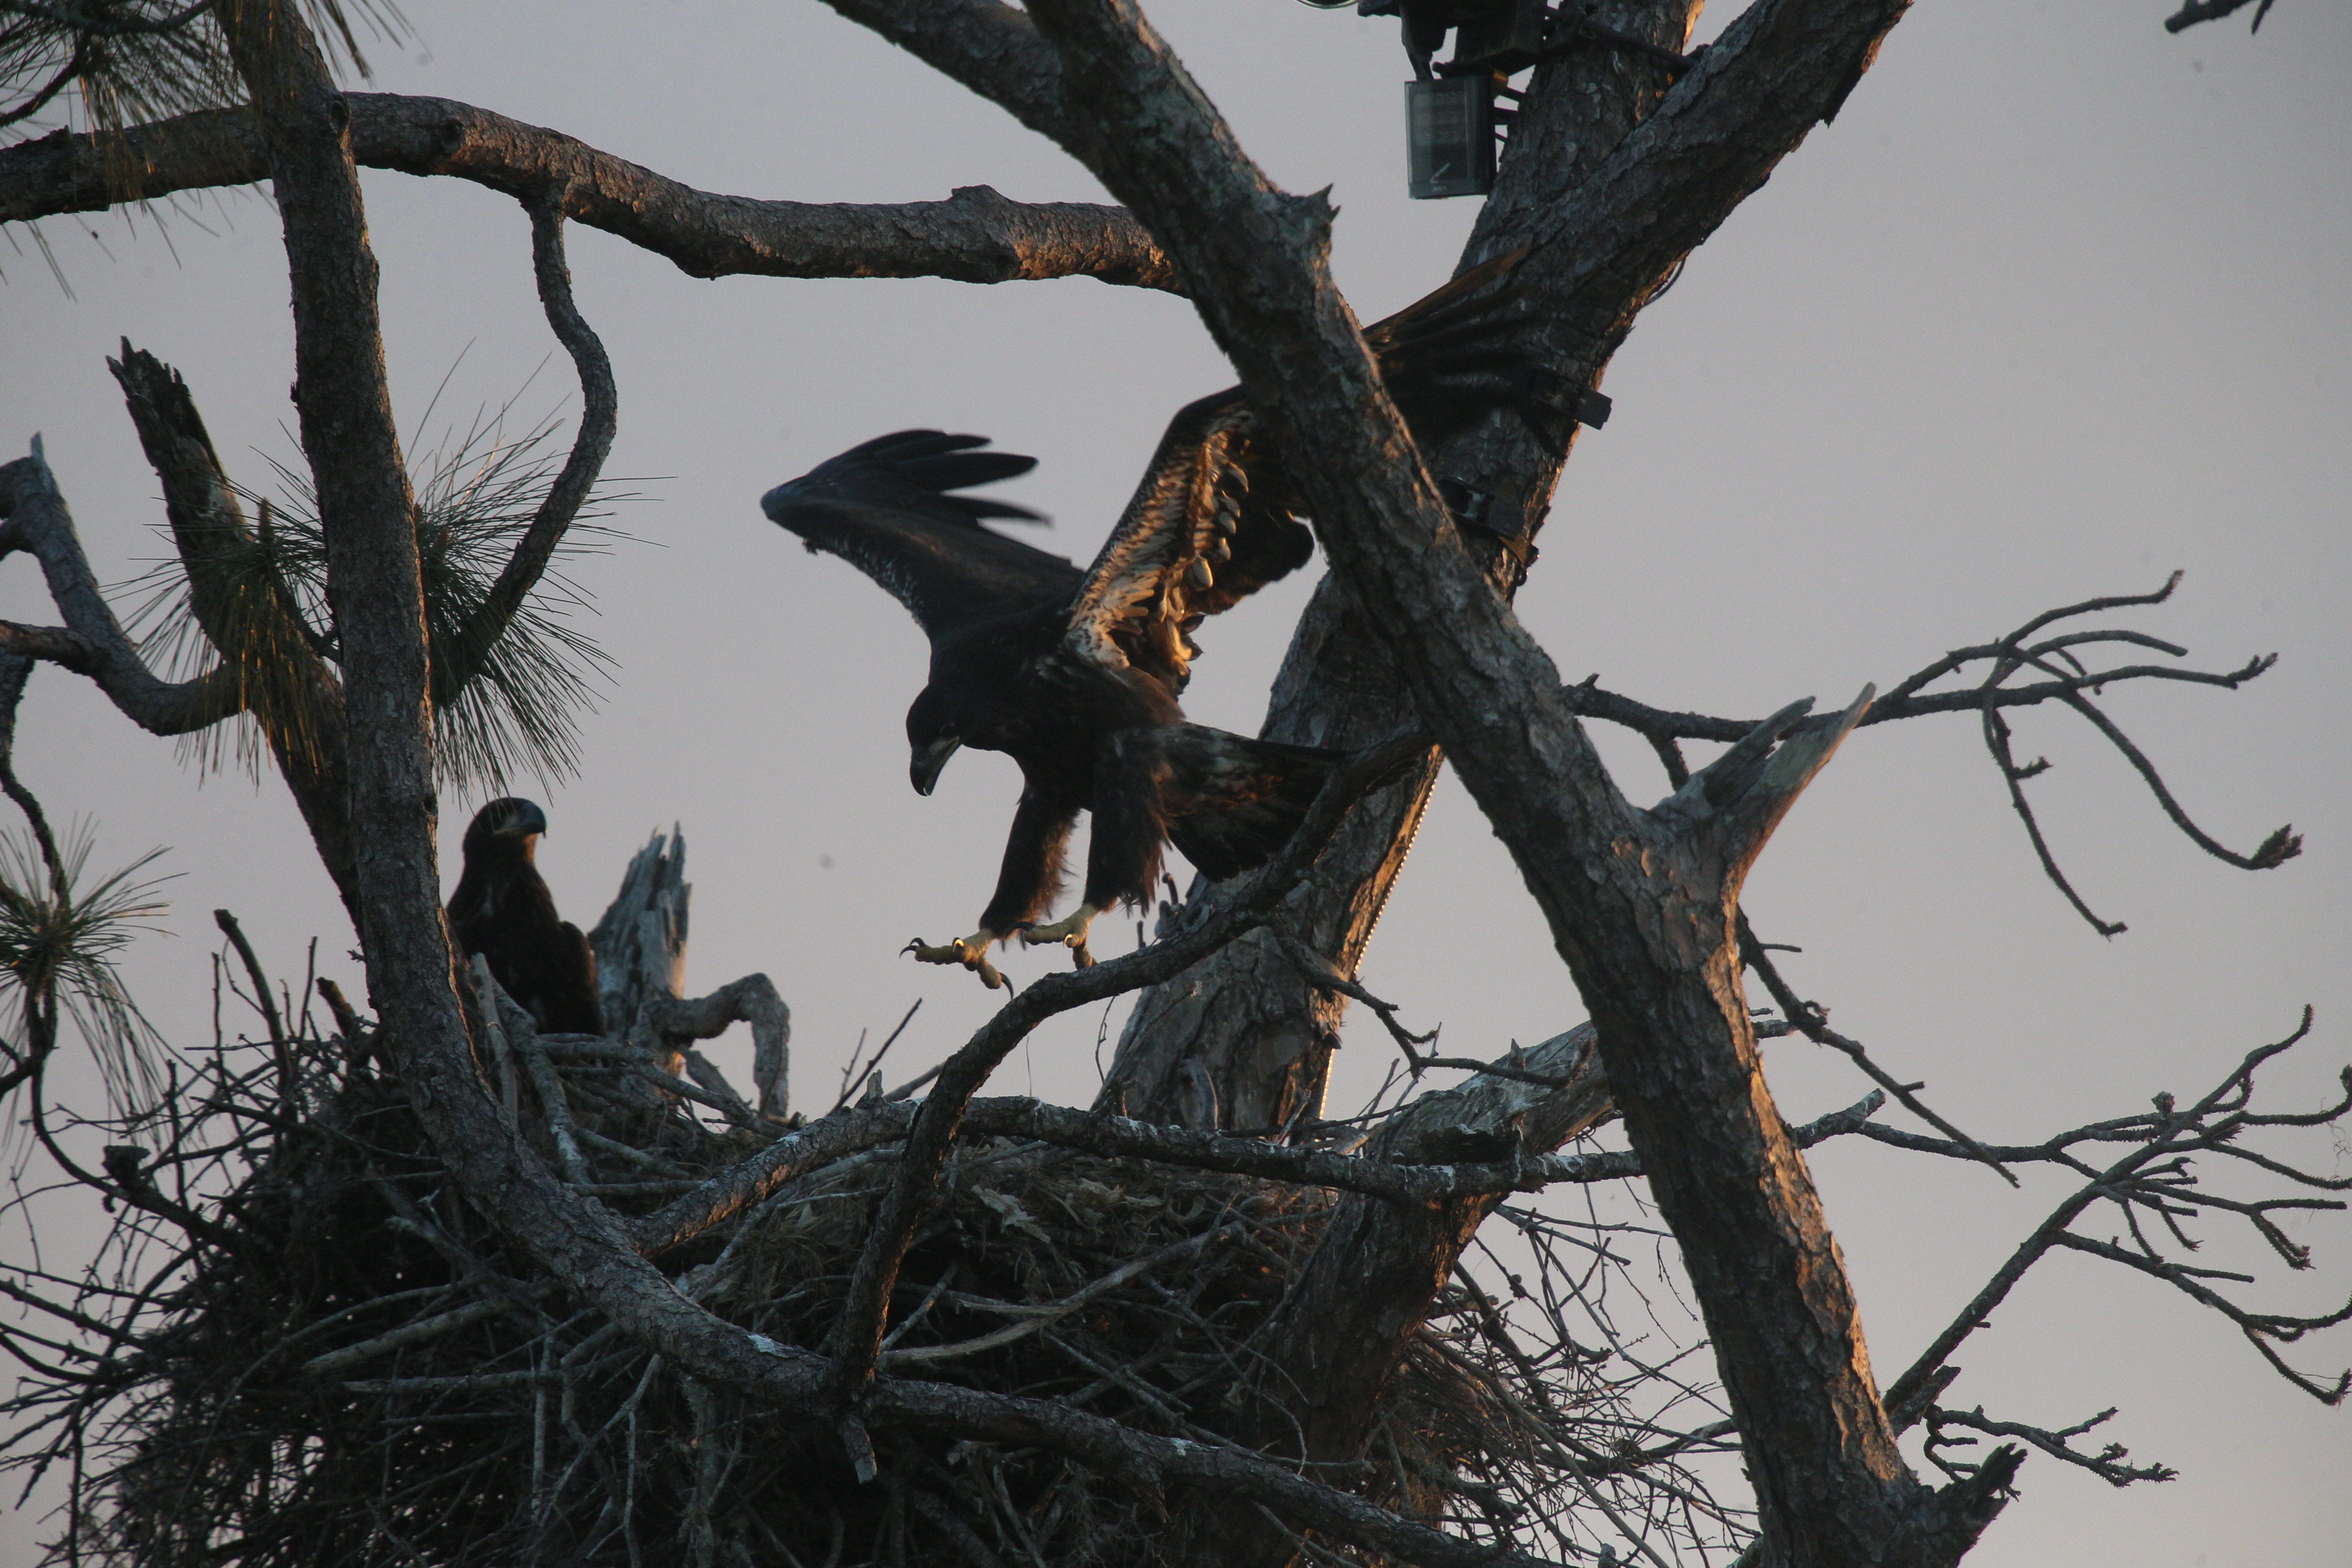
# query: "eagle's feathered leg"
1033,850
1025,885
1123,850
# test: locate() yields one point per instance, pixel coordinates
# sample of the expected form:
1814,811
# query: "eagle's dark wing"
1460,351
884,507
570,997
1213,521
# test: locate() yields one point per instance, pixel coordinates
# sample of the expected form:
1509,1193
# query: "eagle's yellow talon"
971,951
1070,932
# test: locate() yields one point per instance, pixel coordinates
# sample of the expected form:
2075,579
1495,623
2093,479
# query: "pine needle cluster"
509,708
131,62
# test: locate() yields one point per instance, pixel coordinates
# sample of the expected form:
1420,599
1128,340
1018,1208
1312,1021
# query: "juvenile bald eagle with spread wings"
501,910
1075,674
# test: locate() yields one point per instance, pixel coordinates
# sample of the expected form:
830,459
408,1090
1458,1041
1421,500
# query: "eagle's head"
934,733
507,823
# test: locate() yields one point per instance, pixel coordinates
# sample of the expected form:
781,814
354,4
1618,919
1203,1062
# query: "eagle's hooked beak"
924,770
528,823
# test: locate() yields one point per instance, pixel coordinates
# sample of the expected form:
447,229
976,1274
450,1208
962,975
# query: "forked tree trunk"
1641,905
1247,1017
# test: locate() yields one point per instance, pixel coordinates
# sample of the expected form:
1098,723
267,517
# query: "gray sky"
2059,304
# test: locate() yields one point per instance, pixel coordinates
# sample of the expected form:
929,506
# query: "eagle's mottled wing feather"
885,506
1214,519
1209,525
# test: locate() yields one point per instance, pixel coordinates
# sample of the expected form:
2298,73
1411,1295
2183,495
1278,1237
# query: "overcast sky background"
2059,304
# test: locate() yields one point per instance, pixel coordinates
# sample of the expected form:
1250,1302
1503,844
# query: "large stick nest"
363,1370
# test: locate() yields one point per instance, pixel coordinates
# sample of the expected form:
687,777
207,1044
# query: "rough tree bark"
1328,1352
1641,904
640,947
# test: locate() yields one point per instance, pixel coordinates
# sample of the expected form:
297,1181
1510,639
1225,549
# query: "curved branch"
16,669
599,417
975,235
75,65
2282,846
92,642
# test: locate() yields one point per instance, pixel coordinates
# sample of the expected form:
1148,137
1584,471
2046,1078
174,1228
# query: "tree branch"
2197,11
2151,1177
752,1000
975,235
2071,683
2107,1464
1680,1053
241,603
991,48
455,666
92,642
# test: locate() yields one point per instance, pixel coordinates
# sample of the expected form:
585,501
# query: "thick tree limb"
991,48
1264,1036
245,610
975,235
1340,1335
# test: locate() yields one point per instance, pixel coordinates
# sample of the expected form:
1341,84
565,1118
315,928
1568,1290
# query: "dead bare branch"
2196,11
2069,682
2108,1464
2154,1179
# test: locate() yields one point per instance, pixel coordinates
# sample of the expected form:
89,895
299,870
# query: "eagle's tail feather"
1230,802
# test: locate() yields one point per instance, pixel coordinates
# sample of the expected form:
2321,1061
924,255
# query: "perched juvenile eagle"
1075,674
503,911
